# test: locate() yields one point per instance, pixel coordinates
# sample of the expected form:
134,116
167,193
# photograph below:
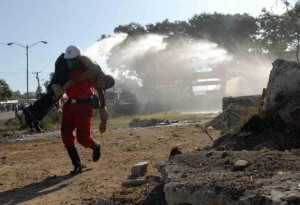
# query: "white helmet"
72,52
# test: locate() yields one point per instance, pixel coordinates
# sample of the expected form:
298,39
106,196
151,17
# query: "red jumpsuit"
78,115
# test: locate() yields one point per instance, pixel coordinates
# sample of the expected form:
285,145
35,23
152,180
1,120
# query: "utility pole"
39,88
37,77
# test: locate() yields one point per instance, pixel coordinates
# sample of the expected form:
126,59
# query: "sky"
75,22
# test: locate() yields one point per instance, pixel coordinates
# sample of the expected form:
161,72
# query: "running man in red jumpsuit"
78,109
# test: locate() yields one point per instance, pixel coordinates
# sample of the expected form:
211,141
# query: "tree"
130,29
16,95
5,91
229,31
178,28
294,18
38,91
47,83
279,34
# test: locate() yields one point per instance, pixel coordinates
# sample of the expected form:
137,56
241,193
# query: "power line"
14,72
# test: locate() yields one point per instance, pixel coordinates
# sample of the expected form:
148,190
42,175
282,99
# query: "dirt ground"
37,171
271,177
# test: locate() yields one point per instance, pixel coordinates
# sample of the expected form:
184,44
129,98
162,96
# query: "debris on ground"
254,161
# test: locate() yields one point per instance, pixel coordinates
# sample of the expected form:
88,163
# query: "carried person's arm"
93,69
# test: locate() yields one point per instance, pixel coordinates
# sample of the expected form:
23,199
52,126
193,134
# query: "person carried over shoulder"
59,83
78,109
100,81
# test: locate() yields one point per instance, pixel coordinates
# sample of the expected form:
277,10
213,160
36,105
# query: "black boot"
72,151
27,118
36,126
96,151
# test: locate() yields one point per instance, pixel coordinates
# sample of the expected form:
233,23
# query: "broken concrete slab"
140,169
283,89
240,165
243,101
284,78
237,111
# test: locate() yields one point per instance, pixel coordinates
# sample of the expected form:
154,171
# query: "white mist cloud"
100,51
249,78
204,54
142,45
104,46
157,61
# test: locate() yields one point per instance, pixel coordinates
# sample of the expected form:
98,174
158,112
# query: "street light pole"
27,47
27,94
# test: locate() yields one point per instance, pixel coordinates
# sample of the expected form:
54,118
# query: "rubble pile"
239,178
148,123
269,120
256,161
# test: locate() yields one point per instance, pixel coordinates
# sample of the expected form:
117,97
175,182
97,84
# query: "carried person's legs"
38,110
42,106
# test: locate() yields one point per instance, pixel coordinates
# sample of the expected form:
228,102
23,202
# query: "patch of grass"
168,115
52,120
10,127
13,126
125,120
12,122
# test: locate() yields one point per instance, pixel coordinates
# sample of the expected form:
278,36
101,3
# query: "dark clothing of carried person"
42,106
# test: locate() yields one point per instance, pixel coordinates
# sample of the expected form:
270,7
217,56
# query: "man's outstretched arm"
102,109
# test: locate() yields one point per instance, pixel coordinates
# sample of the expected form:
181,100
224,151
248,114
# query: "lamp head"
9,44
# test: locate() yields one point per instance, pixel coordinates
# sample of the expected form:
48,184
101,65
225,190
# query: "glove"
104,114
58,90
102,127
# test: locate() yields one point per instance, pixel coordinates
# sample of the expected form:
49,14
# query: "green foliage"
13,126
47,83
52,120
5,91
178,28
130,29
38,91
16,95
238,33
10,127
227,30
168,115
277,33
14,122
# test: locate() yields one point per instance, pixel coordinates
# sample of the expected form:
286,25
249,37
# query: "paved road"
7,115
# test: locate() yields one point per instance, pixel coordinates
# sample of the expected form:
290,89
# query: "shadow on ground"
31,191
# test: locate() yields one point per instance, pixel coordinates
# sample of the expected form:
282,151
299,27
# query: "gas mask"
73,63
